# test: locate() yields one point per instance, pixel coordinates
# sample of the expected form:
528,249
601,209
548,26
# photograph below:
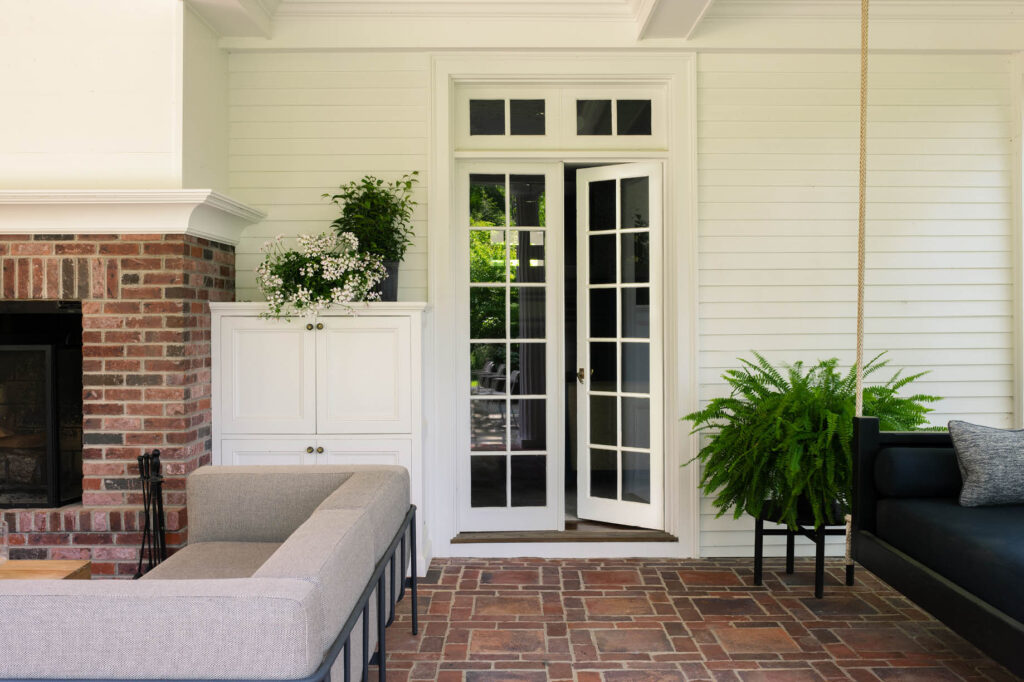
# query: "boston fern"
786,436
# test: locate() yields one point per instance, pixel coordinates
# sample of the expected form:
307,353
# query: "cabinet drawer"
382,451
248,451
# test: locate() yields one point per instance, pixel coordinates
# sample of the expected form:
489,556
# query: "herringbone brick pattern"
615,620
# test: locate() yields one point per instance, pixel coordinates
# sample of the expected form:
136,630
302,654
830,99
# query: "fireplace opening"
40,403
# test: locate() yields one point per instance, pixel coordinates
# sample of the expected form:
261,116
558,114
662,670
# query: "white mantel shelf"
198,212
248,308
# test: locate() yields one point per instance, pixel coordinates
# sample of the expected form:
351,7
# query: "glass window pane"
486,117
487,313
527,312
634,117
604,474
636,477
603,372
487,255
636,203
636,257
486,365
602,205
529,481
529,425
527,200
526,117
529,369
593,117
636,422
487,481
526,252
636,367
602,313
602,259
486,200
636,313
603,420
487,425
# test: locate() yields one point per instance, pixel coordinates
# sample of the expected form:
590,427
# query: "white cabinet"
341,388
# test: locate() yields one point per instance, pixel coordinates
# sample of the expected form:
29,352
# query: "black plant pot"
834,515
388,287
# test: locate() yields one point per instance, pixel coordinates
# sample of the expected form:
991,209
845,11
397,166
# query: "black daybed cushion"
980,548
917,472
991,463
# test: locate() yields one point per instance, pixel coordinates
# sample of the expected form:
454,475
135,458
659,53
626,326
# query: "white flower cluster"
326,270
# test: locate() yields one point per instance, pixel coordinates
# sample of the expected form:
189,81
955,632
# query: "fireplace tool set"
154,542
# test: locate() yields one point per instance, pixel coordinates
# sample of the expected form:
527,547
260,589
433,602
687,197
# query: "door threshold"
637,535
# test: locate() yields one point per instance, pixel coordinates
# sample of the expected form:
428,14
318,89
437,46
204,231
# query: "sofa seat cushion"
981,549
204,560
383,492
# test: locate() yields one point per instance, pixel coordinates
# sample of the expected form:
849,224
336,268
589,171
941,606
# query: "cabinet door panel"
381,451
364,375
268,376
248,451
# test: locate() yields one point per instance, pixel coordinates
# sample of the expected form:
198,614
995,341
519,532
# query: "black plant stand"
815,535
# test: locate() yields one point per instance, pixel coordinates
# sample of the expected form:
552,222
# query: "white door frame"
677,72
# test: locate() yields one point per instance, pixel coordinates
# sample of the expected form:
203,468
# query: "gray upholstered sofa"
277,561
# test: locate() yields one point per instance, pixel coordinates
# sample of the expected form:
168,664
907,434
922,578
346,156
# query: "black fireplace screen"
40,413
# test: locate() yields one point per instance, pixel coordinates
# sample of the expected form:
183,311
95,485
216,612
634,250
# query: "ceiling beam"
237,18
672,18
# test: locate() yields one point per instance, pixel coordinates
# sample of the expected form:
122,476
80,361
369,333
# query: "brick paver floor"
625,620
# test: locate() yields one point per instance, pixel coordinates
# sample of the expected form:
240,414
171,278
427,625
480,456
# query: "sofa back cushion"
991,463
917,472
256,503
383,492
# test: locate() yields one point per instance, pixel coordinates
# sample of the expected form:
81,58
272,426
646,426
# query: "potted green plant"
379,214
779,446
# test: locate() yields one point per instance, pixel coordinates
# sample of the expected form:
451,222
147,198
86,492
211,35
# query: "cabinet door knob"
309,326
320,450
309,449
319,325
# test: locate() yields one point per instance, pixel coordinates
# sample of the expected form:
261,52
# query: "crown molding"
198,212
617,10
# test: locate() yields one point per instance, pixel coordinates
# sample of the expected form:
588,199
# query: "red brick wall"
146,378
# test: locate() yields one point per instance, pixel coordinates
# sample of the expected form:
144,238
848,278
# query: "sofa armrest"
169,629
256,503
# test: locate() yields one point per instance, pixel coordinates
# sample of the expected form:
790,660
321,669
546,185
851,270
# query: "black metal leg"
790,550
415,560
394,589
346,659
401,593
849,574
366,641
382,663
819,563
758,549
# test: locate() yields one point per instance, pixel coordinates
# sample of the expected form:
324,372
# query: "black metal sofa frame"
991,630
386,569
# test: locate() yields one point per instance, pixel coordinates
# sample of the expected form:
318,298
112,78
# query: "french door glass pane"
636,313
603,372
602,259
603,420
636,258
529,481
487,425
486,365
636,211
487,255
593,117
529,425
602,205
527,200
526,255
636,422
527,311
634,117
487,480
526,116
486,117
487,200
604,474
602,313
636,368
636,477
487,313
529,369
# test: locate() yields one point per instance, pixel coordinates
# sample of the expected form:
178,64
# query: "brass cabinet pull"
309,326
309,449
320,450
319,325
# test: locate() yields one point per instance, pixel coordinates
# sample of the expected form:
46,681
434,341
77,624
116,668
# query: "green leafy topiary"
378,213
787,435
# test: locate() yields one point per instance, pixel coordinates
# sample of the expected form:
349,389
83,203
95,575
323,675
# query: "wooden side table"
46,569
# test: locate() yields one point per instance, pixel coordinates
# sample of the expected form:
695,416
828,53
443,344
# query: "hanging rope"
861,203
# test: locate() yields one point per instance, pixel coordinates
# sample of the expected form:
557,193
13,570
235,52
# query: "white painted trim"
199,212
678,69
459,9
1017,189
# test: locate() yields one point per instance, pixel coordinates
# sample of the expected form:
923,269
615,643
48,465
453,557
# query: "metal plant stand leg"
758,550
819,562
790,550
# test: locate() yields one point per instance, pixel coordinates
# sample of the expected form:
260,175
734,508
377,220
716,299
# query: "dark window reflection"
636,367
593,117
529,481
487,481
486,200
601,199
603,367
487,425
602,259
527,312
633,116
487,313
528,369
527,200
604,474
529,425
636,477
486,117
526,117
603,420
602,313
636,422
486,368
636,203
527,256
636,313
636,257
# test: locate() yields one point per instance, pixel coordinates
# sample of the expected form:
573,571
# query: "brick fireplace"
145,378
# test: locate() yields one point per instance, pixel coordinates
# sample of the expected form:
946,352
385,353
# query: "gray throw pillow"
991,464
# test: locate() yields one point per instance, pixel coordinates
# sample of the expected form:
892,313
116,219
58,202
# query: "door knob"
309,326
319,325
581,374
309,449
320,451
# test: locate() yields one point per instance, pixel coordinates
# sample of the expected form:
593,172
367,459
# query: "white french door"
508,255
619,244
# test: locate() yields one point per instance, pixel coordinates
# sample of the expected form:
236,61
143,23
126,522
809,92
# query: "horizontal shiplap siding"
778,207
301,124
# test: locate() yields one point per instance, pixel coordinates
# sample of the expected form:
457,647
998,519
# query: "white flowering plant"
327,269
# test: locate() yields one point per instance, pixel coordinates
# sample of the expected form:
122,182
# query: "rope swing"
861,215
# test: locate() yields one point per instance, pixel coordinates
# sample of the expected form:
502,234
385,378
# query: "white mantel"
199,212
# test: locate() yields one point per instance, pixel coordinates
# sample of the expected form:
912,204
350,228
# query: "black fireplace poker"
153,548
